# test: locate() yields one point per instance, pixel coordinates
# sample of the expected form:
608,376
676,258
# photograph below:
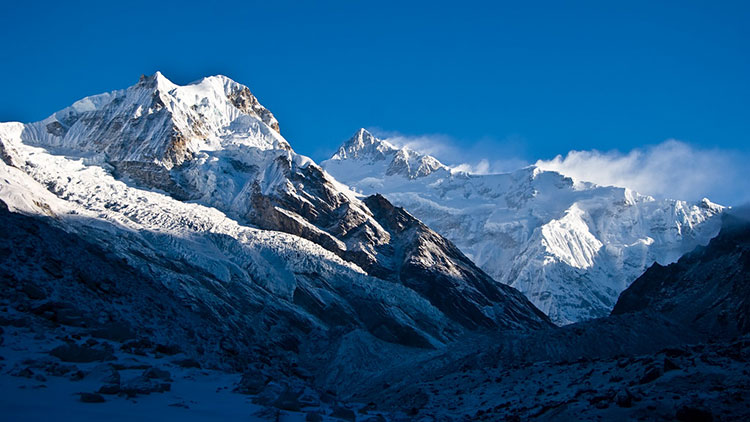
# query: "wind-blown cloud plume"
672,169
484,156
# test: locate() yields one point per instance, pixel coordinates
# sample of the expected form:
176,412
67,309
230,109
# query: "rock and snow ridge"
195,187
707,289
570,247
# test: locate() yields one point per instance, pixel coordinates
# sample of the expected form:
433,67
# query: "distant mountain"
570,247
193,189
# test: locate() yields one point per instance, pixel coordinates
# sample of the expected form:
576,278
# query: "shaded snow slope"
571,248
708,289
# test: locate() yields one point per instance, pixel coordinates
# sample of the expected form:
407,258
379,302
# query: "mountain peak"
171,123
365,147
217,89
157,81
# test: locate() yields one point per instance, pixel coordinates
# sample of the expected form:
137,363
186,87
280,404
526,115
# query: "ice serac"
194,187
570,247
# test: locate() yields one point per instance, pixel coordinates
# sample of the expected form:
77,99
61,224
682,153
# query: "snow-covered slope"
571,247
194,187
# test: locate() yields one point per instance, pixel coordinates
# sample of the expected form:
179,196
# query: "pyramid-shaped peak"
365,148
363,138
159,122
363,145
158,81
217,90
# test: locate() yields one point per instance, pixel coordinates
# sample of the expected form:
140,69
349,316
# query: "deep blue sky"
545,77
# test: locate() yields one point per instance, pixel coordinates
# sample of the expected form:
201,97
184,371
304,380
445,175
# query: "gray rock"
670,365
33,291
109,389
651,374
158,374
693,414
187,363
288,400
115,331
167,349
82,353
343,413
105,373
61,312
270,394
91,398
309,399
143,385
23,373
252,382
624,398
313,417
57,369
76,375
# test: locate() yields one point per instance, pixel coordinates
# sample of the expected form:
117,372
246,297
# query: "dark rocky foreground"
674,358
676,347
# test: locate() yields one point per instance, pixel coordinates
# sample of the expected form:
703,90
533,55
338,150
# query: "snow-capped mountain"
571,247
194,188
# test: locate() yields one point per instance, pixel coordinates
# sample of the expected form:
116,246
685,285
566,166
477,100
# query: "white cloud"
433,144
672,169
484,156
482,167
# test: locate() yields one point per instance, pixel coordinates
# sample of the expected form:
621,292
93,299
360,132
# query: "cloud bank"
672,169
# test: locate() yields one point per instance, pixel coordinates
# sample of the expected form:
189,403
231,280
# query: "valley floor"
40,379
695,383
143,384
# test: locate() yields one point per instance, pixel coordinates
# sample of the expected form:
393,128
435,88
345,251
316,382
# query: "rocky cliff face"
708,289
571,248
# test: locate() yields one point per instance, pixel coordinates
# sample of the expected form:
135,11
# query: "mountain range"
570,246
165,252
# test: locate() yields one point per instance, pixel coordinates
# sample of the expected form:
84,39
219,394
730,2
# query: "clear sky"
529,79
